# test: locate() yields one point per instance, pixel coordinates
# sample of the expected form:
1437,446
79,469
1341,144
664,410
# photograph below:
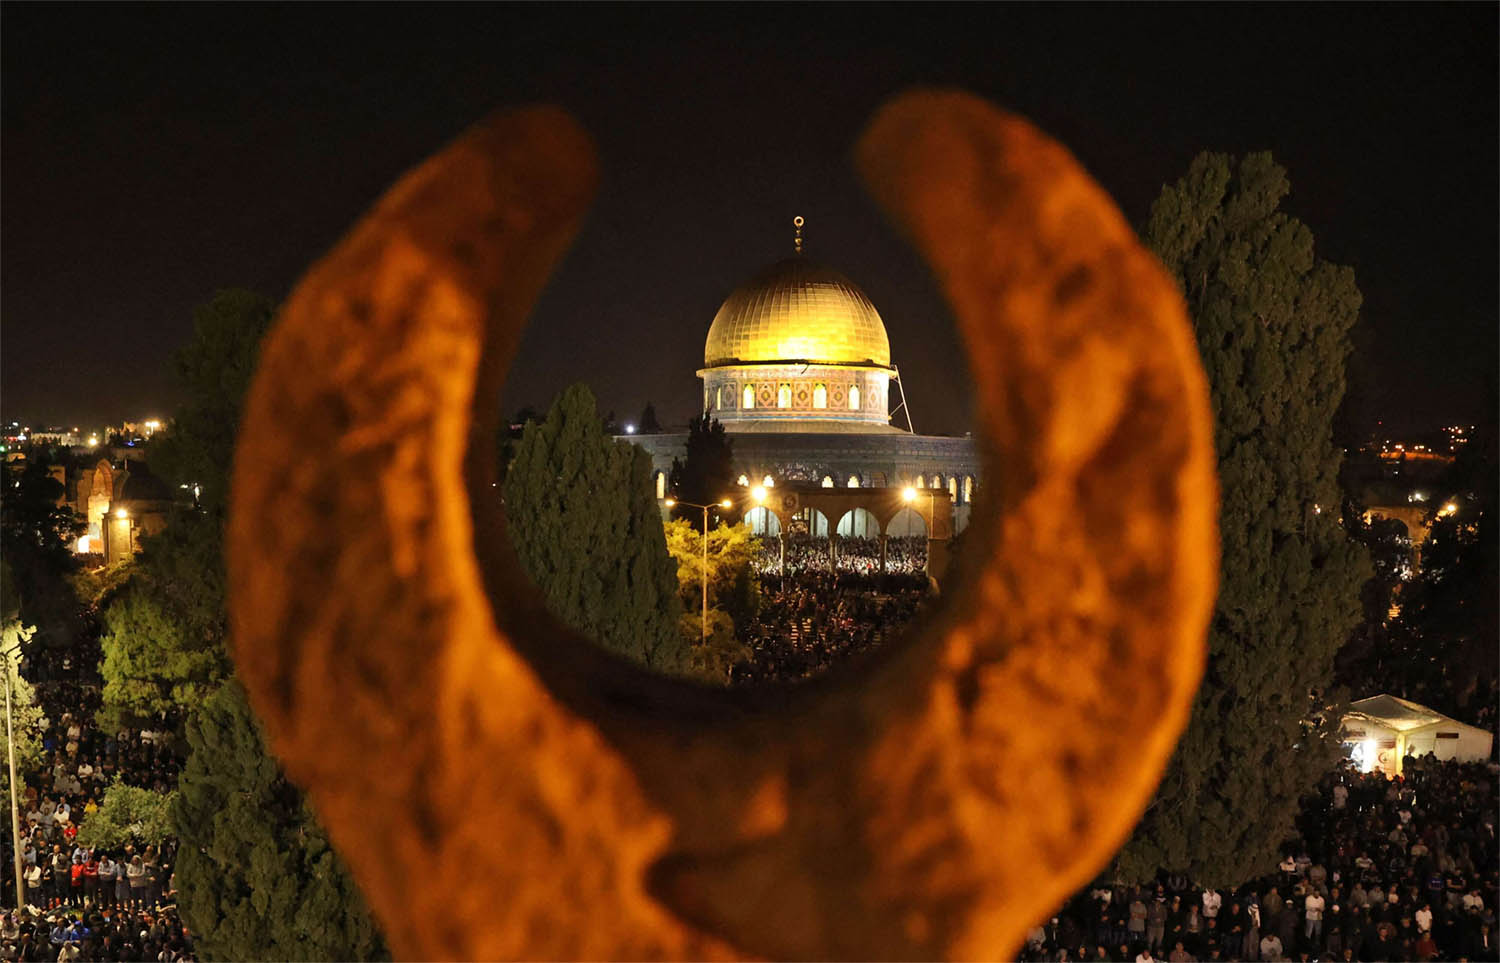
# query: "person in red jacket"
91,878
75,873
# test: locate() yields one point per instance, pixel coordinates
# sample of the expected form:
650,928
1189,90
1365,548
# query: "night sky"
153,155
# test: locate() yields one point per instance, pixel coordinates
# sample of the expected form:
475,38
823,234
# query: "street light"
726,503
15,812
909,495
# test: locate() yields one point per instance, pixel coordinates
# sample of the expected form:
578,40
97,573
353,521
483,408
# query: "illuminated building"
797,367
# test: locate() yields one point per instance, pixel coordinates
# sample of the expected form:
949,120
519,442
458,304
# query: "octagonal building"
797,366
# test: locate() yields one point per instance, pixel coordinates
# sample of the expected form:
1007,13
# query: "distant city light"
630,429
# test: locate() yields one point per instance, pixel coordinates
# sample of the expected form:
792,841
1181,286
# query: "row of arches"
750,397
960,490
855,523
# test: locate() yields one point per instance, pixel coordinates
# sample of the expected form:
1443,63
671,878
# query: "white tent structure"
1382,730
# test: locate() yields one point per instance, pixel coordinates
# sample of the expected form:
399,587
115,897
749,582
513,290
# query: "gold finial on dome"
797,222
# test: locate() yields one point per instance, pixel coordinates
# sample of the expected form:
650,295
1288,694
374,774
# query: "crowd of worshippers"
812,620
904,555
1404,869
80,902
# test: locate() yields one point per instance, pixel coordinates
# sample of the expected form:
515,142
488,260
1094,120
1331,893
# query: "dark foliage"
1273,323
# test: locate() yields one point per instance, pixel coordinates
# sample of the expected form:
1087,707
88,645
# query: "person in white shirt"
1314,907
1424,919
1211,902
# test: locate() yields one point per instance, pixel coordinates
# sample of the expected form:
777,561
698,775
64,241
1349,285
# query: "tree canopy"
584,524
1272,323
256,877
705,473
214,371
733,592
128,814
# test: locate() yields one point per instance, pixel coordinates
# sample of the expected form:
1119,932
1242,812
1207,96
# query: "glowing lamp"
670,502
122,513
726,503
759,494
908,494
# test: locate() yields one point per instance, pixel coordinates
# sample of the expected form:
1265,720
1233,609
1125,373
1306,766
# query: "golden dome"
796,310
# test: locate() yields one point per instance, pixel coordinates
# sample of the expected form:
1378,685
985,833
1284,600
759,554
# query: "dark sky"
151,155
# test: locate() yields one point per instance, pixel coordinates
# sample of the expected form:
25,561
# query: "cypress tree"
705,473
585,526
256,877
1272,324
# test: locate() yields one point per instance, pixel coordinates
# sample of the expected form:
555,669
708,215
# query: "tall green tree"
705,473
584,523
213,371
256,877
1272,323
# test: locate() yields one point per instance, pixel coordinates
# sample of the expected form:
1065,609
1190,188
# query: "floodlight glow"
908,494
758,493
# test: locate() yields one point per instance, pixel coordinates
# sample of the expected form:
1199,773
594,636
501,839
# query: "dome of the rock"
797,311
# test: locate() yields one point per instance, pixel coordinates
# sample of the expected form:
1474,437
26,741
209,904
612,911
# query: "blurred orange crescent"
503,789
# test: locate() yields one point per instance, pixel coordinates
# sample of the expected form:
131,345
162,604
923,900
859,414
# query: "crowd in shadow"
1381,870
813,620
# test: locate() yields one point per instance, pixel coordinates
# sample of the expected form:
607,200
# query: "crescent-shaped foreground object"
503,789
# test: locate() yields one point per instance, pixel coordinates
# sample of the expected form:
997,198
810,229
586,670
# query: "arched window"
747,397
953,488
661,484
968,489
858,523
853,481
763,521
820,396
784,396
768,482
921,482
854,397
744,481
827,481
